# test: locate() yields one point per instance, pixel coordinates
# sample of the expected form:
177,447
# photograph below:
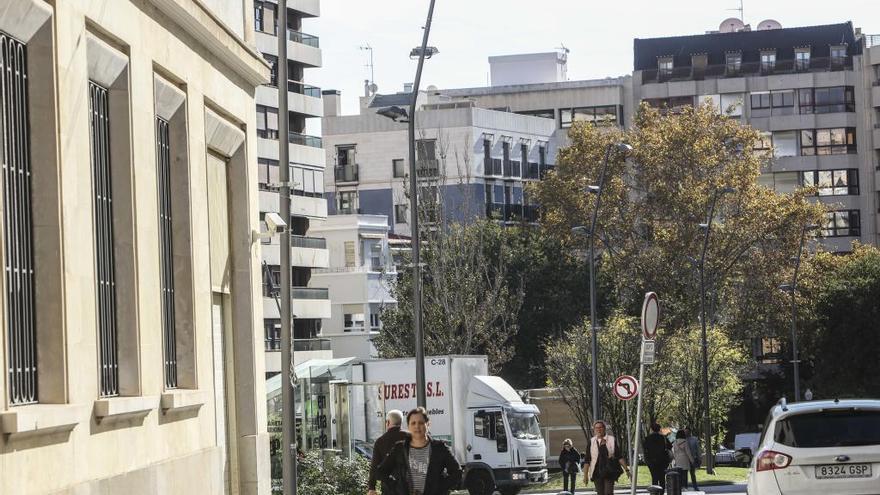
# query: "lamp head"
393,112
430,51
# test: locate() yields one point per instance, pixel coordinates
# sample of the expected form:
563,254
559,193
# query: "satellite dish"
373,88
731,25
769,24
432,88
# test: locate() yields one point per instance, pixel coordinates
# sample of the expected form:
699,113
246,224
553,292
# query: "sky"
599,34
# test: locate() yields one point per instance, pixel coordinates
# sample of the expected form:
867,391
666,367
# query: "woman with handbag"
605,460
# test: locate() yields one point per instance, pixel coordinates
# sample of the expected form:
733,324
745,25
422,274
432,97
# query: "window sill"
112,407
42,418
175,400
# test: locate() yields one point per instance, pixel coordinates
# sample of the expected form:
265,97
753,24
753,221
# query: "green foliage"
333,475
841,340
470,305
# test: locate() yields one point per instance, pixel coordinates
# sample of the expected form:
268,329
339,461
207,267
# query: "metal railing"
346,173
300,345
166,258
309,293
872,40
716,71
305,140
18,233
427,168
303,89
305,39
308,242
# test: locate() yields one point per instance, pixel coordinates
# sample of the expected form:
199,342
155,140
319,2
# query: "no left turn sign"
625,387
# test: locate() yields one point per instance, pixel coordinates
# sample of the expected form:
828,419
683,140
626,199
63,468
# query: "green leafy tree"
677,378
470,305
840,298
332,475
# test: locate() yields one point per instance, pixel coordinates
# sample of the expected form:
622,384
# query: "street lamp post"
792,288
707,431
591,232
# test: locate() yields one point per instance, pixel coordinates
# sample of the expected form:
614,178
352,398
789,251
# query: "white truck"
493,433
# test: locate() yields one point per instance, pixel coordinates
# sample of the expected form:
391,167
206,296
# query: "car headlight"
519,476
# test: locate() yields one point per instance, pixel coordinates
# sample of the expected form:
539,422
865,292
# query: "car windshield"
523,426
836,428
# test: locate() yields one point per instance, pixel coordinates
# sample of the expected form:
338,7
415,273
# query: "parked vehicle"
818,447
725,456
492,432
745,445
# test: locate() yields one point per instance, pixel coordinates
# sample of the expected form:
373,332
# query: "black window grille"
105,273
169,333
18,235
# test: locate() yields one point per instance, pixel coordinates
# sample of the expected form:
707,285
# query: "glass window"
602,115
845,223
426,149
838,56
827,100
664,66
734,62
832,182
348,202
760,104
830,428
397,165
784,143
400,213
839,141
545,114
764,142
782,102
732,104
802,58
768,60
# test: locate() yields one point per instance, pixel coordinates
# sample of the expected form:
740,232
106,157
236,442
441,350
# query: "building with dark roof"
811,90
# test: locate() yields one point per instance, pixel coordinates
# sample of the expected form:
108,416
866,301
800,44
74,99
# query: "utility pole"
288,414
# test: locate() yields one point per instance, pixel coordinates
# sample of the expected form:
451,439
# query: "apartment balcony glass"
300,37
308,242
304,140
309,293
744,69
346,173
303,345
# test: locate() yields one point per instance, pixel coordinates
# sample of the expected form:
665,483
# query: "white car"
818,447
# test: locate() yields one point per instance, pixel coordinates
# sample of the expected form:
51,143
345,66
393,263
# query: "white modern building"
471,161
311,303
360,276
130,319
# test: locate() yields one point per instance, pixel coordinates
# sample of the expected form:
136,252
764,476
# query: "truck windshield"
523,426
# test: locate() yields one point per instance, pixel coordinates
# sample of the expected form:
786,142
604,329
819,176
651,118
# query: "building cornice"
217,37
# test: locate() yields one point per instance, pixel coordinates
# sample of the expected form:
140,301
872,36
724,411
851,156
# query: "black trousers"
658,474
693,471
604,486
565,481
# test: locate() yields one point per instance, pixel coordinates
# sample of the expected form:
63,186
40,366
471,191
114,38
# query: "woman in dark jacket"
420,465
569,461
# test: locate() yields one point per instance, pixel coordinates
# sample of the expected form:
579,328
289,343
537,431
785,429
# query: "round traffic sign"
625,387
650,316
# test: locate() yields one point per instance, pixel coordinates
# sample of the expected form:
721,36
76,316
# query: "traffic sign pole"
650,317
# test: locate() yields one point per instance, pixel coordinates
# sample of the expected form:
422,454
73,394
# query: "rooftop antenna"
370,65
740,10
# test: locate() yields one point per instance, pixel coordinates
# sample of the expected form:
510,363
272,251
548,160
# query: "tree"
677,384
470,305
841,339
654,202
332,475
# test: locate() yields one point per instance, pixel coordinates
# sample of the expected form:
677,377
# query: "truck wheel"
509,490
480,483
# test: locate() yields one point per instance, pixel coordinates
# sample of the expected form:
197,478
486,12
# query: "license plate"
843,471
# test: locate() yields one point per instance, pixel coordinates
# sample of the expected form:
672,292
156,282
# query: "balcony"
307,303
872,40
346,173
512,212
719,71
427,168
305,39
299,241
305,140
492,166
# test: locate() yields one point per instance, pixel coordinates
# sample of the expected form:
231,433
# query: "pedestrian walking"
419,465
694,444
657,449
570,462
682,458
605,460
383,446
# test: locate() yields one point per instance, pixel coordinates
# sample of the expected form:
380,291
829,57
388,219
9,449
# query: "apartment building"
360,276
310,304
130,356
810,90
471,162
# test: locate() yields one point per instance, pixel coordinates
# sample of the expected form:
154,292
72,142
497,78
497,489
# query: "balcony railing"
346,173
308,242
427,168
512,212
716,71
309,293
303,89
872,40
305,140
311,345
300,37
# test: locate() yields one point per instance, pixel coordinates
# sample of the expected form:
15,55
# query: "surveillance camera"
274,223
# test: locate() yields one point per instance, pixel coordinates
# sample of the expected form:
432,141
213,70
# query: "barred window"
18,229
166,254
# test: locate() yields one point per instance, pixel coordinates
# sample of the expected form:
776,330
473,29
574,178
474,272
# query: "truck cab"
504,447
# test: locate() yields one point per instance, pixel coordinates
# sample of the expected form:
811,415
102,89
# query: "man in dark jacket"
657,449
383,446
